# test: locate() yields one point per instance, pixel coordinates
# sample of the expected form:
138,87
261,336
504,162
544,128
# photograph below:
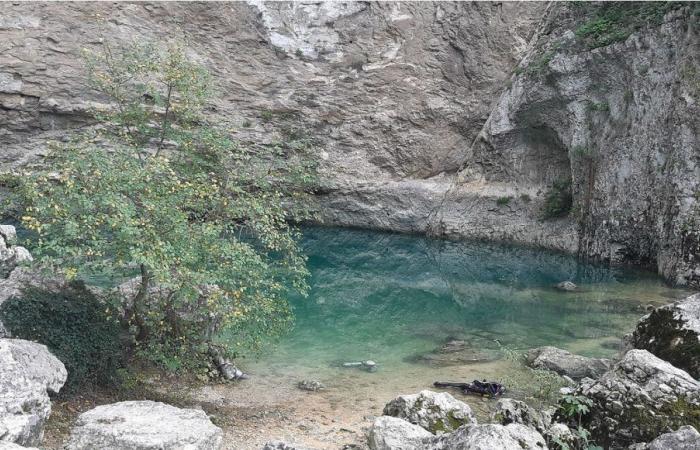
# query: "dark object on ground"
490,388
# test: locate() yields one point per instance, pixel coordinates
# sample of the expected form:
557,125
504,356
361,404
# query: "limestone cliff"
421,123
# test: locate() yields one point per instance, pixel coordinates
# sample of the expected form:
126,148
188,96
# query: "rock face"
28,372
144,425
672,333
390,433
437,412
399,96
490,437
685,438
566,363
640,398
617,122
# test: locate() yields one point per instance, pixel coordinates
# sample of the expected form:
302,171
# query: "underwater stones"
672,333
490,437
144,425
453,352
28,372
566,286
368,365
514,411
437,412
311,385
685,438
566,363
640,398
391,433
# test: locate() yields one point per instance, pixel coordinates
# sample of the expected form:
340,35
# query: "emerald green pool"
391,298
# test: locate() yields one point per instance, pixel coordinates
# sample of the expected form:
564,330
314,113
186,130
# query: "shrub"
73,325
559,200
502,201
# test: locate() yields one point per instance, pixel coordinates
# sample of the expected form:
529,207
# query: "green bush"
503,201
73,325
559,200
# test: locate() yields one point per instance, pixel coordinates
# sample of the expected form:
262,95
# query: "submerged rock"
454,352
490,437
144,425
566,363
437,412
311,385
566,286
685,438
672,333
640,398
391,433
28,372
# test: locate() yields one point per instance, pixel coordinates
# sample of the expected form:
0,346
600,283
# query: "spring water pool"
395,299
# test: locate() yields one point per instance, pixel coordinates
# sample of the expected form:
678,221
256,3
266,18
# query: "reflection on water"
389,297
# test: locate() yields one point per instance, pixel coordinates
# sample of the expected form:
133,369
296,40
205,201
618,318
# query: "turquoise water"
392,298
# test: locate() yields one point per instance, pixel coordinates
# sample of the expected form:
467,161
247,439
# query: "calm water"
391,298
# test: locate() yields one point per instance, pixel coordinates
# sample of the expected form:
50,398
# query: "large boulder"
391,433
4,445
144,425
640,398
437,412
685,438
28,372
490,437
672,333
566,363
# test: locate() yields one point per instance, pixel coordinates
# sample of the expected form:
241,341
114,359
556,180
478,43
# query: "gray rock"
490,437
28,372
280,445
672,333
514,411
559,433
11,255
311,385
454,352
391,433
685,438
566,363
638,399
437,412
144,425
4,445
567,286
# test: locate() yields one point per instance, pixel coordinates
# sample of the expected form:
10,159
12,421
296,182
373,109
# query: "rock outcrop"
672,333
437,412
11,255
514,411
400,98
491,437
685,438
566,363
144,425
28,372
640,398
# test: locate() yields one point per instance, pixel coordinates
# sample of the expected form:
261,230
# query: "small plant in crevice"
525,198
598,106
571,410
559,200
503,201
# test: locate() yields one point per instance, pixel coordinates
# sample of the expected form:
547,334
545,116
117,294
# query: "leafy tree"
159,190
